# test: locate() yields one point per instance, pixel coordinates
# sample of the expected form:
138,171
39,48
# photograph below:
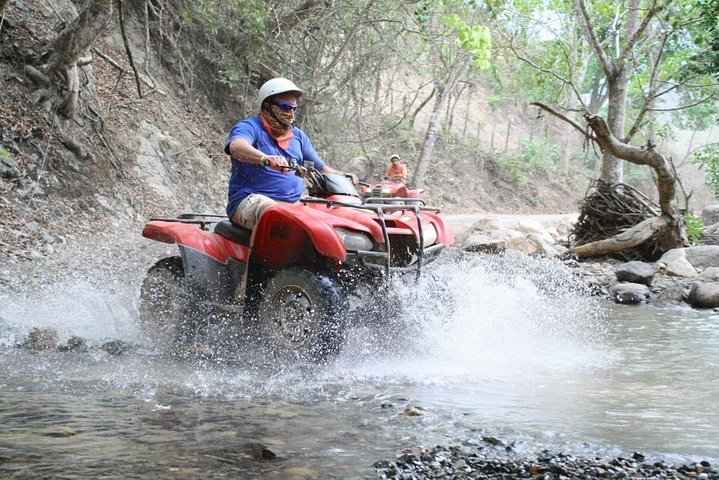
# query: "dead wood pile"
608,210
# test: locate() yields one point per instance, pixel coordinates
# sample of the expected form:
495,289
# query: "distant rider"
396,171
260,146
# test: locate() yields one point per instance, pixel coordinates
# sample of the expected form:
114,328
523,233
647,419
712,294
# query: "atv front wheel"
301,315
164,302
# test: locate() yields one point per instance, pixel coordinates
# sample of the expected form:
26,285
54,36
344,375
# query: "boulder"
528,226
629,293
546,247
488,223
42,339
523,245
711,274
672,255
704,295
635,272
505,235
710,214
482,243
703,256
679,267
9,168
710,234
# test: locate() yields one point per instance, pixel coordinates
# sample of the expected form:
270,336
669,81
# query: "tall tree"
456,47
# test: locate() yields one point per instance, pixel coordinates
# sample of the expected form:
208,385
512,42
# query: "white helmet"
276,86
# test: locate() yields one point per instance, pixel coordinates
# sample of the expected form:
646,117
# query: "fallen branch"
630,238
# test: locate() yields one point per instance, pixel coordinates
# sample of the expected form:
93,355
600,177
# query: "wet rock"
704,295
494,441
116,347
635,272
42,339
74,344
245,450
629,293
411,412
482,243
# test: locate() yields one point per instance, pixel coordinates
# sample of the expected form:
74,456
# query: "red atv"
390,191
292,276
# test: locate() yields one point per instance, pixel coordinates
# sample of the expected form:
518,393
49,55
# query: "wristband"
264,161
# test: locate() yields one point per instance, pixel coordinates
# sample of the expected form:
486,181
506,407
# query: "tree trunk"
618,89
669,227
71,45
435,123
72,42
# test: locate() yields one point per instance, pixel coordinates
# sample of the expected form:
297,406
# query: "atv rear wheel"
301,314
164,303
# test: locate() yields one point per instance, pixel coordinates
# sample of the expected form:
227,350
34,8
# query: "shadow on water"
520,352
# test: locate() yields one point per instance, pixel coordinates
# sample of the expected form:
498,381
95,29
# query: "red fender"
283,231
190,236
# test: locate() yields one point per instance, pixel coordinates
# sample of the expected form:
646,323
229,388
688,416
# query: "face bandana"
278,124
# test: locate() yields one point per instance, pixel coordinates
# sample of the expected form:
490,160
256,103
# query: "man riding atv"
261,148
396,172
284,267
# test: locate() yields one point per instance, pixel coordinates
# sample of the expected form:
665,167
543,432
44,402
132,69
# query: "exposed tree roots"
610,210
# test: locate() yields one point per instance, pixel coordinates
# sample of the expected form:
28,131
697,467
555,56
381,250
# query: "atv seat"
233,232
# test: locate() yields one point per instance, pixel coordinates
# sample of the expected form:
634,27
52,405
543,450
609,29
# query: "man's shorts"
250,209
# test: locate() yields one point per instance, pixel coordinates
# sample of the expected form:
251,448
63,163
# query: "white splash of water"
72,307
514,317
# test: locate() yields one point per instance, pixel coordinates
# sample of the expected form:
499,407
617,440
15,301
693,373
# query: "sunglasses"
285,106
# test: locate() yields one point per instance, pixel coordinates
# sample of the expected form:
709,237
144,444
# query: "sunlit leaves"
475,39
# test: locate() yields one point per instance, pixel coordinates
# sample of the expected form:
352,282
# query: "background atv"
290,279
390,191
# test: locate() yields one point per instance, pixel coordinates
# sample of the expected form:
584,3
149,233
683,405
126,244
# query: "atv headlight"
354,240
429,234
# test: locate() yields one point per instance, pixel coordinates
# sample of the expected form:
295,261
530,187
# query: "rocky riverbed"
681,276
479,462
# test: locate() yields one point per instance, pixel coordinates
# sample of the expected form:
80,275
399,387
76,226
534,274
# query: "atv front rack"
379,209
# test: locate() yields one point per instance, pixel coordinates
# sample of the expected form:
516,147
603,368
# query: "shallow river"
524,357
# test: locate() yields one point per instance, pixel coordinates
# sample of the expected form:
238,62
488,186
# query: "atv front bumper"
380,261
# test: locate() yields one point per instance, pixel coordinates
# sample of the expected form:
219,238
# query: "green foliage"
532,157
694,226
4,153
475,39
512,166
707,159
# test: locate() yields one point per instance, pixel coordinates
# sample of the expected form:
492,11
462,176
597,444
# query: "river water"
523,356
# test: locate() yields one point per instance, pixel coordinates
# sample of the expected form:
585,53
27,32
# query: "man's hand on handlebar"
353,178
278,163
